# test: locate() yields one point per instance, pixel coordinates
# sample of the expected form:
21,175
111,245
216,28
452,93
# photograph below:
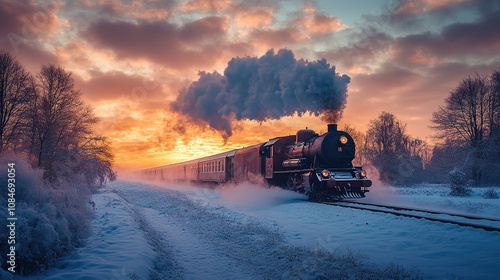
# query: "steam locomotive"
317,165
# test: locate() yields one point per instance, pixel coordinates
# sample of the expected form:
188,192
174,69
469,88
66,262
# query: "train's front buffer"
336,184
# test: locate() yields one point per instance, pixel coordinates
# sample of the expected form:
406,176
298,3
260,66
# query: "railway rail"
484,223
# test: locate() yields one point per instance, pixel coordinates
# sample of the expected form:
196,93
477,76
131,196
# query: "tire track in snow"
165,266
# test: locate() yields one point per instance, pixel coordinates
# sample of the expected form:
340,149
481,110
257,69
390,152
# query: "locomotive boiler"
317,165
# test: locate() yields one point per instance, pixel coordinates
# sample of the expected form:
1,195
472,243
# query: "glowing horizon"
131,60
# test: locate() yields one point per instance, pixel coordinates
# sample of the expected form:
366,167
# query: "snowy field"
168,231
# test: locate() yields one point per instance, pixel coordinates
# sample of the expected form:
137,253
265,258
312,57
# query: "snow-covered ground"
172,231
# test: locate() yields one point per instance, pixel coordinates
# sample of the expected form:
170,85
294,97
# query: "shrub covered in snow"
459,185
490,193
52,219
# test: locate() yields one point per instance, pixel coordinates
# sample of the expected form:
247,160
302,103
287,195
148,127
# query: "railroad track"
484,223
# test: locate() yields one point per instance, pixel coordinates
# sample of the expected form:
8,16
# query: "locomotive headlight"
362,173
325,173
343,140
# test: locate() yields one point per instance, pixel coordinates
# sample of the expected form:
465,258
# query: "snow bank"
210,240
52,218
117,248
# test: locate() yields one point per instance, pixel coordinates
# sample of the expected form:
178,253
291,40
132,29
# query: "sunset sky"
132,59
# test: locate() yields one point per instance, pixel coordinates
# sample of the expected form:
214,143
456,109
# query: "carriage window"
218,166
222,167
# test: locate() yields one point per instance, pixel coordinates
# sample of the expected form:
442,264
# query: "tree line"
43,118
47,134
467,139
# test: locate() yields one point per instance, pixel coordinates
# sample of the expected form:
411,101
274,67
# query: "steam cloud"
269,87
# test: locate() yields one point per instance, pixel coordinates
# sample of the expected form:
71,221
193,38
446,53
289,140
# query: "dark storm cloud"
362,48
460,31
11,16
22,25
269,87
476,38
195,43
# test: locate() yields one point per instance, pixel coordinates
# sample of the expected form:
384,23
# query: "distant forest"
466,148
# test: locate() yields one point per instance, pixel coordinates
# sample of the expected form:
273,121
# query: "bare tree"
394,153
96,160
386,135
16,91
493,101
63,140
59,117
464,117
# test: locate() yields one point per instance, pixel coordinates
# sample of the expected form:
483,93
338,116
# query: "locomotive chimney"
332,127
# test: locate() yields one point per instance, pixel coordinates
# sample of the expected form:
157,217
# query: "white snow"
172,231
117,249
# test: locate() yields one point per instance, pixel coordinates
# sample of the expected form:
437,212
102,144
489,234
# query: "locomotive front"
326,164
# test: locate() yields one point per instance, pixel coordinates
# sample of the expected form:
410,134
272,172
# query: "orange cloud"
205,6
249,18
318,23
412,7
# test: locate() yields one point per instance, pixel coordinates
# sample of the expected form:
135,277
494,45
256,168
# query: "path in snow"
117,248
212,242
298,228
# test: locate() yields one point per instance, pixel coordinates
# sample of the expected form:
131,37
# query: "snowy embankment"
117,248
165,231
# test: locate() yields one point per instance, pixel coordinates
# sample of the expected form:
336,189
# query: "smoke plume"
269,87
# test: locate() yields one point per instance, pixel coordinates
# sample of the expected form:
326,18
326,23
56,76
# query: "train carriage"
317,165
213,168
246,165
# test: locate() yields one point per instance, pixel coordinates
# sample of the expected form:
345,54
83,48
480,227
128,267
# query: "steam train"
317,165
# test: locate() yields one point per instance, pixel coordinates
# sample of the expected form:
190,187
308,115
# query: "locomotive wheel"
315,195
312,196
